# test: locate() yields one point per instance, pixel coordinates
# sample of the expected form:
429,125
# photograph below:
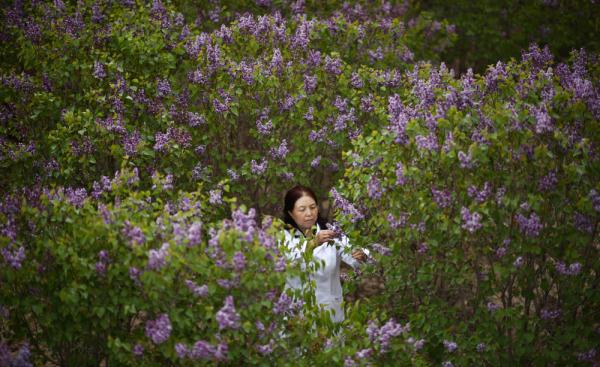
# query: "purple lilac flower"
333,65
465,160
547,314
310,83
315,162
529,226
346,207
587,356
382,250
215,197
543,121
471,221
443,198
447,364
134,234
397,223
349,362
480,196
276,61
159,330
583,223
233,175
15,257
138,350
264,128
356,80
518,262
227,317
364,353
163,88
419,344
161,140
492,307
202,350
281,151
76,196
428,142
595,198
313,59
389,330
181,350
197,290
285,305
156,258
194,234
450,346
366,104
374,188
257,168
195,119
99,70
280,265
480,347
131,142
266,349
572,269
239,261
400,178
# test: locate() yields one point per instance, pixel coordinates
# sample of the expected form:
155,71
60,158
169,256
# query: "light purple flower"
14,257
333,65
99,70
374,189
227,317
156,258
471,221
159,330
138,350
531,226
450,346
465,160
197,290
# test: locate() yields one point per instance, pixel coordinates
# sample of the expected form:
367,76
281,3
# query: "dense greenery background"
145,149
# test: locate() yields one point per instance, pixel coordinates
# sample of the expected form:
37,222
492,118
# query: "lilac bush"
499,219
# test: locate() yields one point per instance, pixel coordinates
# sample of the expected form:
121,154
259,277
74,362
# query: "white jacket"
328,289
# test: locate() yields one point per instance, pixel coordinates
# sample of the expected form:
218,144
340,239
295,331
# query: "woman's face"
305,212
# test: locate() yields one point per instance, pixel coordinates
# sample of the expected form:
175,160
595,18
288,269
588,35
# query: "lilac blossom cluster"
287,305
450,346
159,329
381,337
573,269
102,263
346,207
443,198
374,189
227,317
337,230
471,221
157,258
203,350
197,290
14,256
531,226
480,196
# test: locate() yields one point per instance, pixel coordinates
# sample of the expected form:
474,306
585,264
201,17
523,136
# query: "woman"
307,233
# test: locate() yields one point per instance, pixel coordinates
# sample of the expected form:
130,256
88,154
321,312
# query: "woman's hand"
359,255
325,235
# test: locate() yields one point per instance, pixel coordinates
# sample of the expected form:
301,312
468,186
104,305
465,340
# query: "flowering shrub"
132,140
485,190
86,87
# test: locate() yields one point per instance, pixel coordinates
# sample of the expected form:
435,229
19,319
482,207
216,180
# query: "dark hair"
291,197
